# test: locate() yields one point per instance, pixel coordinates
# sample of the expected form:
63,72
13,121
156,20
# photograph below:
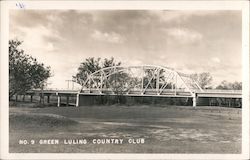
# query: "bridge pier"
58,99
67,100
16,97
195,100
48,99
41,96
77,99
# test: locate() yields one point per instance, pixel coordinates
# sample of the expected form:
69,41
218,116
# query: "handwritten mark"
20,5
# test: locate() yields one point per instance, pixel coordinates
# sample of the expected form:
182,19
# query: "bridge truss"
146,80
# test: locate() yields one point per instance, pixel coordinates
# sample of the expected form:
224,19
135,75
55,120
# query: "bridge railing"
136,89
139,91
221,91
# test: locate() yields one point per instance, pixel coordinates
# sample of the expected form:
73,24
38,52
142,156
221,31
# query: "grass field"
165,129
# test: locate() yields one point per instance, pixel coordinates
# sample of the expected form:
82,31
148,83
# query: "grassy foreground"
168,129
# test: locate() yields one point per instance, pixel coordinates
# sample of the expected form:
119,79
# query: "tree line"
26,73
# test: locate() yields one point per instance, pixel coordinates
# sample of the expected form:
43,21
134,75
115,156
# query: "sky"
190,41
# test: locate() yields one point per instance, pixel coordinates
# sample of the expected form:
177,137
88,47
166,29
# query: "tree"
224,85
25,72
150,78
87,67
90,65
119,83
110,62
203,79
237,85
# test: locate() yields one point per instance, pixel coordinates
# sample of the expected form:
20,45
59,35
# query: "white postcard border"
6,6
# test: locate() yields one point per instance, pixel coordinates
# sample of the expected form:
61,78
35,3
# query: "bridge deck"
65,96
148,92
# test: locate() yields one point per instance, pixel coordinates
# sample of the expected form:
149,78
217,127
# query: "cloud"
31,18
189,41
215,59
165,16
107,37
179,16
50,47
184,35
32,36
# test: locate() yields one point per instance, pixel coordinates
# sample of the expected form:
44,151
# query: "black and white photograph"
126,81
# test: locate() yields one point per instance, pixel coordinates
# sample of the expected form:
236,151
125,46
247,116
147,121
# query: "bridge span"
232,94
140,81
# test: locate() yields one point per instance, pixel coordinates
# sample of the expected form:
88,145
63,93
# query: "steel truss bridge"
146,80
140,80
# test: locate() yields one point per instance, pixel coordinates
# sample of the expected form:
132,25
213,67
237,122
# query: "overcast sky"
189,41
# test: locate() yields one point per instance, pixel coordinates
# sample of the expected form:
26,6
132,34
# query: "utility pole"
68,83
72,83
